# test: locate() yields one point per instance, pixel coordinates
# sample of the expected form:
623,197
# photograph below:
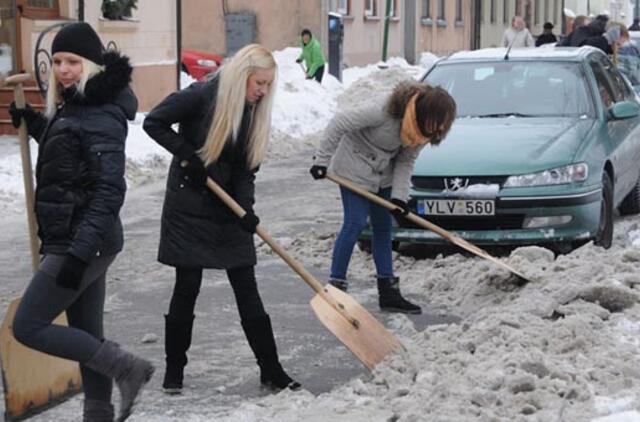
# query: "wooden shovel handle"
424,223
277,248
27,174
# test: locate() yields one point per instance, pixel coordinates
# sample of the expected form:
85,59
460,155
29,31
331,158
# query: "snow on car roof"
575,53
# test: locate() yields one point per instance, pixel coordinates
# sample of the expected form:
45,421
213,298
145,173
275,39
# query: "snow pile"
564,347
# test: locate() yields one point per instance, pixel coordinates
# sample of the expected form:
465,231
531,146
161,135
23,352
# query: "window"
340,6
609,93
546,11
41,9
394,12
370,8
458,10
536,15
441,14
492,12
502,88
426,9
505,12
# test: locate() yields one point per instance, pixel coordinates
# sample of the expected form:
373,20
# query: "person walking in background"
224,126
594,28
547,36
635,26
80,189
628,56
375,147
579,22
312,56
517,36
608,41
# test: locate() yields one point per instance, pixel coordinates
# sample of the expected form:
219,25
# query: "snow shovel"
353,325
33,381
453,238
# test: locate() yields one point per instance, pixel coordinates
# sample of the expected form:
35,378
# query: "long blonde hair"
89,69
230,103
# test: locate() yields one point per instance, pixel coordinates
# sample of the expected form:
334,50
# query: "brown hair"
435,108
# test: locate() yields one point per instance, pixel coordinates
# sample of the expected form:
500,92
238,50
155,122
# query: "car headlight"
207,63
557,176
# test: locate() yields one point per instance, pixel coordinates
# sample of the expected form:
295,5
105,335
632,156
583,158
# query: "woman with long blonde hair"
224,126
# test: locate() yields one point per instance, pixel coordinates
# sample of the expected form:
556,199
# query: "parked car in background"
545,146
198,64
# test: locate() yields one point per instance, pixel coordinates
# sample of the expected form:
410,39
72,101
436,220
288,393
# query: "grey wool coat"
363,145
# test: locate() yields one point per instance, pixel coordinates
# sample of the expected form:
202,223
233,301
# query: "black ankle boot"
339,284
391,300
260,336
177,340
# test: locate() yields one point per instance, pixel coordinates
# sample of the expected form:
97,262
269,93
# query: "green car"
545,147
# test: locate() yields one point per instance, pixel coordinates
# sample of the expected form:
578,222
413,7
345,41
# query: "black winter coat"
81,161
600,42
198,230
545,39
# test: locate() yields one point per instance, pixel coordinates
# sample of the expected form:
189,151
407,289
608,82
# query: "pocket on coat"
54,220
109,157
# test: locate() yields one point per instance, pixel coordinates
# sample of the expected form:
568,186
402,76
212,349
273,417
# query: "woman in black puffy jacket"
80,189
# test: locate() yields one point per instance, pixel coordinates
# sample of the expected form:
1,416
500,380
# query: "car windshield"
512,88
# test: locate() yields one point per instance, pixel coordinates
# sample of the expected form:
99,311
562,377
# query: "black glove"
71,272
318,172
401,212
194,167
298,60
249,222
18,113
309,77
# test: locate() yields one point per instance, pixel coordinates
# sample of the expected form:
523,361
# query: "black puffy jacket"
198,230
81,161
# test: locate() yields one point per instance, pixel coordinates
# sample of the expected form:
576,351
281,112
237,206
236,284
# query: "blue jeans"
356,209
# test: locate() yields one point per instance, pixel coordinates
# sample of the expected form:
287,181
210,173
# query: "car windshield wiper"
507,115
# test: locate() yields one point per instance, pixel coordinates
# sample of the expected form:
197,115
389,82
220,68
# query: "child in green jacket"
312,56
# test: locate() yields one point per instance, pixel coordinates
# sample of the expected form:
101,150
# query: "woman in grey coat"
375,147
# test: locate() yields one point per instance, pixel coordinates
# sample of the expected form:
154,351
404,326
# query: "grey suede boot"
97,411
130,373
391,300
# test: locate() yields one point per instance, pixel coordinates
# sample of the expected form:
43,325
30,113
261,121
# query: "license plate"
457,207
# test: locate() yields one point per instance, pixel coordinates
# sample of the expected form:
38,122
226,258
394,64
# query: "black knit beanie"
79,38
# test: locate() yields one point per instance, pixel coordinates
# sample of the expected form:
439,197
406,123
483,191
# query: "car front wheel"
604,237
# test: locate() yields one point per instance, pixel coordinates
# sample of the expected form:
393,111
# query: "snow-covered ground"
565,347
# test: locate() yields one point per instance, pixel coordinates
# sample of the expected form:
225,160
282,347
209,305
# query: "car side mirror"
624,110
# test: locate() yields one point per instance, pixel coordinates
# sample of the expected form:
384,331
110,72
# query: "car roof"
575,54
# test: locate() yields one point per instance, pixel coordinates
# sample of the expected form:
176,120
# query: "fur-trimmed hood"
112,84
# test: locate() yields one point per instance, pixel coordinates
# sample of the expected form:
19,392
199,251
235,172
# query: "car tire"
183,67
631,203
604,236
365,246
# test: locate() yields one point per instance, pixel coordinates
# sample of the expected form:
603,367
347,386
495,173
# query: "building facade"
148,37
495,16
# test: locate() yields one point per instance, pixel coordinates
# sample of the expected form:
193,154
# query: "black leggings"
187,287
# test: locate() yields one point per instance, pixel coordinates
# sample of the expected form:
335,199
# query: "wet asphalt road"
221,372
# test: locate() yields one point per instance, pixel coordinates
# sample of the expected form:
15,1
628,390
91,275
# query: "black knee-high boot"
260,336
177,340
